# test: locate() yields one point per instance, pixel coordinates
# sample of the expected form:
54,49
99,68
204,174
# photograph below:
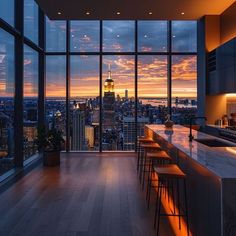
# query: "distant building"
78,130
129,134
109,103
126,94
89,135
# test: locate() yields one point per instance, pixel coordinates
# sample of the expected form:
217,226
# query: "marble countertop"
219,160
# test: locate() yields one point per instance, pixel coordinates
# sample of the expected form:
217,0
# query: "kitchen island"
211,178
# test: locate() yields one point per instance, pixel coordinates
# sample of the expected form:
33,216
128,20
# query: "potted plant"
50,142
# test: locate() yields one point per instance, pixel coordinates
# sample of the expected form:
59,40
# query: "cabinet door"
227,79
225,55
213,86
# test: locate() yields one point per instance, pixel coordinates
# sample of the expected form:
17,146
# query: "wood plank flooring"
89,194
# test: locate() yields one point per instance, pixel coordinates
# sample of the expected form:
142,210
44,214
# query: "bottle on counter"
168,123
218,122
225,120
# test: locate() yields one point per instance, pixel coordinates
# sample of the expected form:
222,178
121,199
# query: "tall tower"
109,103
78,131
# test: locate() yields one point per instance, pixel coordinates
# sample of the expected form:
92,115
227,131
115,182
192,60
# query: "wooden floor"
90,194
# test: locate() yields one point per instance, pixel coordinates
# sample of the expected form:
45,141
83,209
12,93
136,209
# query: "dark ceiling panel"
132,9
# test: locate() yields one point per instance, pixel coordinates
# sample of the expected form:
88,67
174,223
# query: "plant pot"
51,158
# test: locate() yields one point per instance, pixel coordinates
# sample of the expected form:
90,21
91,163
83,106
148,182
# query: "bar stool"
166,173
142,139
155,158
147,147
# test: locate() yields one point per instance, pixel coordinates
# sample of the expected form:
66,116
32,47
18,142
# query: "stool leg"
186,206
138,157
140,165
159,211
173,193
150,186
178,202
149,172
144,169
157,201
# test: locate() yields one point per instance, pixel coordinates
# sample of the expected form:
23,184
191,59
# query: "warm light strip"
231,150
230,94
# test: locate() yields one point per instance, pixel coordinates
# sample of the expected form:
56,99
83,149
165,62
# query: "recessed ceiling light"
118,13
145,36
150,13
59,13
87,13
182,13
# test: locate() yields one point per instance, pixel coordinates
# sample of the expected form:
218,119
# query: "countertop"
219,160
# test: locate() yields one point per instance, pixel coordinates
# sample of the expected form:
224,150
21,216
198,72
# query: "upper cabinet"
222,69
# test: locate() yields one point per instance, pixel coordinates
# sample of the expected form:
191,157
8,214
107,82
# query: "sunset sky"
118,36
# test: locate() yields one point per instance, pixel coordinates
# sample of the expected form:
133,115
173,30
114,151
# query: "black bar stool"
142,140
166,173
146,147
155,158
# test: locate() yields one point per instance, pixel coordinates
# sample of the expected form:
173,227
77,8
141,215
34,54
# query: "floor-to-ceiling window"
7,92
30,90
121,75
184,70
104,79
19,81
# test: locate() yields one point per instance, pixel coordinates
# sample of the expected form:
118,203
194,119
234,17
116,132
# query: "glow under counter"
211,178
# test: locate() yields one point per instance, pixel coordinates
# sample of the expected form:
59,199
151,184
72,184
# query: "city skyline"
86,84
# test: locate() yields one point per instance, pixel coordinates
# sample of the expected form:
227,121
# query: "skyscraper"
78,131
109,103
126,94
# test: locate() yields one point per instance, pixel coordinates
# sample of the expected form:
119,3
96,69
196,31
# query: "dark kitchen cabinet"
222,69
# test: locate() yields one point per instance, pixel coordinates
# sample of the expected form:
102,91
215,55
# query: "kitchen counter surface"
219,160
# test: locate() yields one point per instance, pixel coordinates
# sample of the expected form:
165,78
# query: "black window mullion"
169,65
100,84
41,72
136,84
19,74
67,86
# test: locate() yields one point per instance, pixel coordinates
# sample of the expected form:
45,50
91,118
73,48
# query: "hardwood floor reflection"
90,194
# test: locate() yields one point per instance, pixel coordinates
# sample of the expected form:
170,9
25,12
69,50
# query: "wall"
218,30
228,24
215,107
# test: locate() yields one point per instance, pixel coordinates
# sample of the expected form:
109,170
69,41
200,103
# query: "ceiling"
132,9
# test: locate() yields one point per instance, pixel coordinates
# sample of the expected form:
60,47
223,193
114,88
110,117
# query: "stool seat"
149,145
159,154
145,139
169,170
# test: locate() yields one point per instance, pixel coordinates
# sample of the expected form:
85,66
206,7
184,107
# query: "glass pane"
7,91
85,103
85,36
56,93
55,36
184,36
118,36
31,20
30,101
118,111
152,90
7,10
184,88
152,36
